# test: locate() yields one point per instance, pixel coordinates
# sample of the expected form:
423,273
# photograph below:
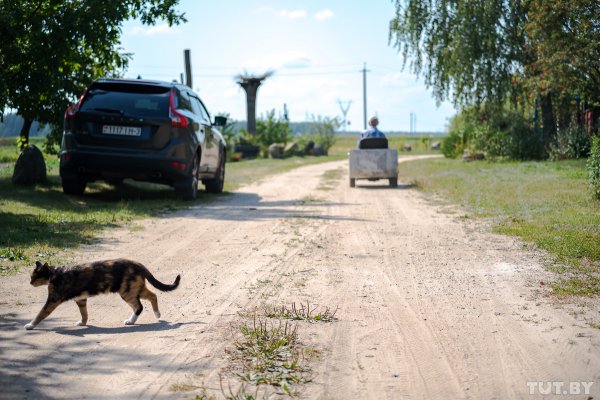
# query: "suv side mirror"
220,120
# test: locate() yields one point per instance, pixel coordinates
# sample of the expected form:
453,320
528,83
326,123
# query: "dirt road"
431,305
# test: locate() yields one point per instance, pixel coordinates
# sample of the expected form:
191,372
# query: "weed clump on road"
268,353
301,313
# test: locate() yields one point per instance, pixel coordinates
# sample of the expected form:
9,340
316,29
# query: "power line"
309,71
197,74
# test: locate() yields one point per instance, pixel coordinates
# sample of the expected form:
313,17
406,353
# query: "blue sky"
316,49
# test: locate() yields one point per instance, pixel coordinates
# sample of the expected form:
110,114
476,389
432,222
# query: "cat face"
40,275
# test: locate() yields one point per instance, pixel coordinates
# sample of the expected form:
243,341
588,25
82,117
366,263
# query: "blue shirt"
372,132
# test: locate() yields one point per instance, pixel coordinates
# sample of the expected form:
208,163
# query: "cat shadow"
82,331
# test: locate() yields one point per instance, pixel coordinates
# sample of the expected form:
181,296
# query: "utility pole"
364,71
188,68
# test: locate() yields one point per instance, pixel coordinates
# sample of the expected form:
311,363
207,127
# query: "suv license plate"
122,130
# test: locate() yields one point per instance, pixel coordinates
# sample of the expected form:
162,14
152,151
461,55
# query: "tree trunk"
251,88
251,108
548,120
24,134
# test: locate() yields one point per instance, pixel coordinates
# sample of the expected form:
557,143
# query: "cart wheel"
352,182
393,182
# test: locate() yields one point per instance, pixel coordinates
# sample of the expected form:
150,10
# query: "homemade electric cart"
373,160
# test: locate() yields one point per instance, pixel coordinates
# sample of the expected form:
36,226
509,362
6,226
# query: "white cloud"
293,14
154,30
324,15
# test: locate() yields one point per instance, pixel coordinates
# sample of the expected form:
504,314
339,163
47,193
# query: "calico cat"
79,282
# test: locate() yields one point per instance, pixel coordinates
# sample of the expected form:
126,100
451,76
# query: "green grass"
269,354
301,312
9,151
546,203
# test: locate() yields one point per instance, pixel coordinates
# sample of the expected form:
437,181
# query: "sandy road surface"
431,305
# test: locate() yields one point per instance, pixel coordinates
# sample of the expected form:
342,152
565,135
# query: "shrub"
321,131
570,143
593,166
243,137
496,131
460,133
509,136
272,130
452,145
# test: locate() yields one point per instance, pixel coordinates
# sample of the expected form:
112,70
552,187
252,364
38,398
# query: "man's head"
374,121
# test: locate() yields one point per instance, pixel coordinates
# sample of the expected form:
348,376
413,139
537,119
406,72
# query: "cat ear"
38,264
46,265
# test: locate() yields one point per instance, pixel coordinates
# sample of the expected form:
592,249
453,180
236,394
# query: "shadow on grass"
44,215
23,230
97,195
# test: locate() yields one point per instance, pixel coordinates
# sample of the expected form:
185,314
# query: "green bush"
509,136
452,145
272,130
496,131
570,143
243,137
321,130
593,166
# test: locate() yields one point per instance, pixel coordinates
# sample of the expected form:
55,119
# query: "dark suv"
144,130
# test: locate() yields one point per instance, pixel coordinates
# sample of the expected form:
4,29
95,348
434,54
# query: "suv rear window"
131,99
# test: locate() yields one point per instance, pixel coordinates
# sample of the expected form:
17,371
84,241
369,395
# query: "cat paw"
80,323
29,326
128,322
157,314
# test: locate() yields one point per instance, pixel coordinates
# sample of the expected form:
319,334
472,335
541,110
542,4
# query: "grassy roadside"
546,203
42,223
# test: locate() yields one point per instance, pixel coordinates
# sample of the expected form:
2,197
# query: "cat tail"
161,286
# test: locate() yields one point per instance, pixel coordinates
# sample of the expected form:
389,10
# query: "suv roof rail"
138,82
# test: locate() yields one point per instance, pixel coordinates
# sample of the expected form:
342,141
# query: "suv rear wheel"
188,188
216,185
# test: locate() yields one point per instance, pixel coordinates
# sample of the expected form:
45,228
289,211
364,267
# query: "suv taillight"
73,109
178,120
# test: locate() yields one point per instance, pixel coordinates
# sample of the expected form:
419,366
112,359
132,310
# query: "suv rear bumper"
92,166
